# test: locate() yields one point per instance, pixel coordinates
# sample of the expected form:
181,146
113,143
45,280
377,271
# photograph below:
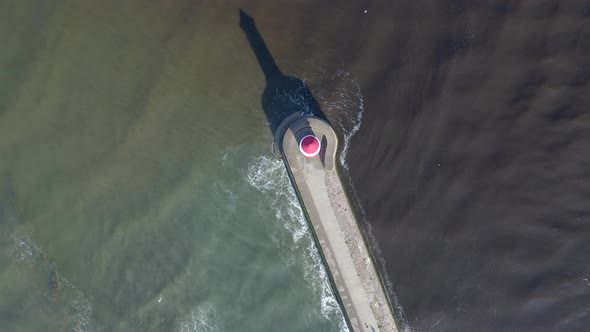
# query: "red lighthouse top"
310,146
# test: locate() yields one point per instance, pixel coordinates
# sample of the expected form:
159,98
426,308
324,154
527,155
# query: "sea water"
138,191
228,250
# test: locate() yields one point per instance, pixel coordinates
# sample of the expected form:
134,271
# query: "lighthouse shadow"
283,95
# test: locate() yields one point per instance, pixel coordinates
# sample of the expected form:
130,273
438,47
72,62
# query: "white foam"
226,191
348,135
24,249
343,103
269,176
82,313
264,173
201,319
316,273
27,252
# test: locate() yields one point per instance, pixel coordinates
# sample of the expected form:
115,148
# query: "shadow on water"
284,95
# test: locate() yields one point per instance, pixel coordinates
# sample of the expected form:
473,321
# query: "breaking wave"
268,175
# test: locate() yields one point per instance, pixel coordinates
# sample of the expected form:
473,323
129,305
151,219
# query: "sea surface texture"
138,191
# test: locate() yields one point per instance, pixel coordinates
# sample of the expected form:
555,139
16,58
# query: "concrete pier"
320,191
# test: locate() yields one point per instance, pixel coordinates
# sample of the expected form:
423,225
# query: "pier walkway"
319,189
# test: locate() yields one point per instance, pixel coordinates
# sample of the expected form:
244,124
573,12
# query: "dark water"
465,130
472,161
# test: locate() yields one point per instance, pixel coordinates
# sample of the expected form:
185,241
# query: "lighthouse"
310,146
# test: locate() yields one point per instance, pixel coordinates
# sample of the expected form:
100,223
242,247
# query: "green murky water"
137,192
